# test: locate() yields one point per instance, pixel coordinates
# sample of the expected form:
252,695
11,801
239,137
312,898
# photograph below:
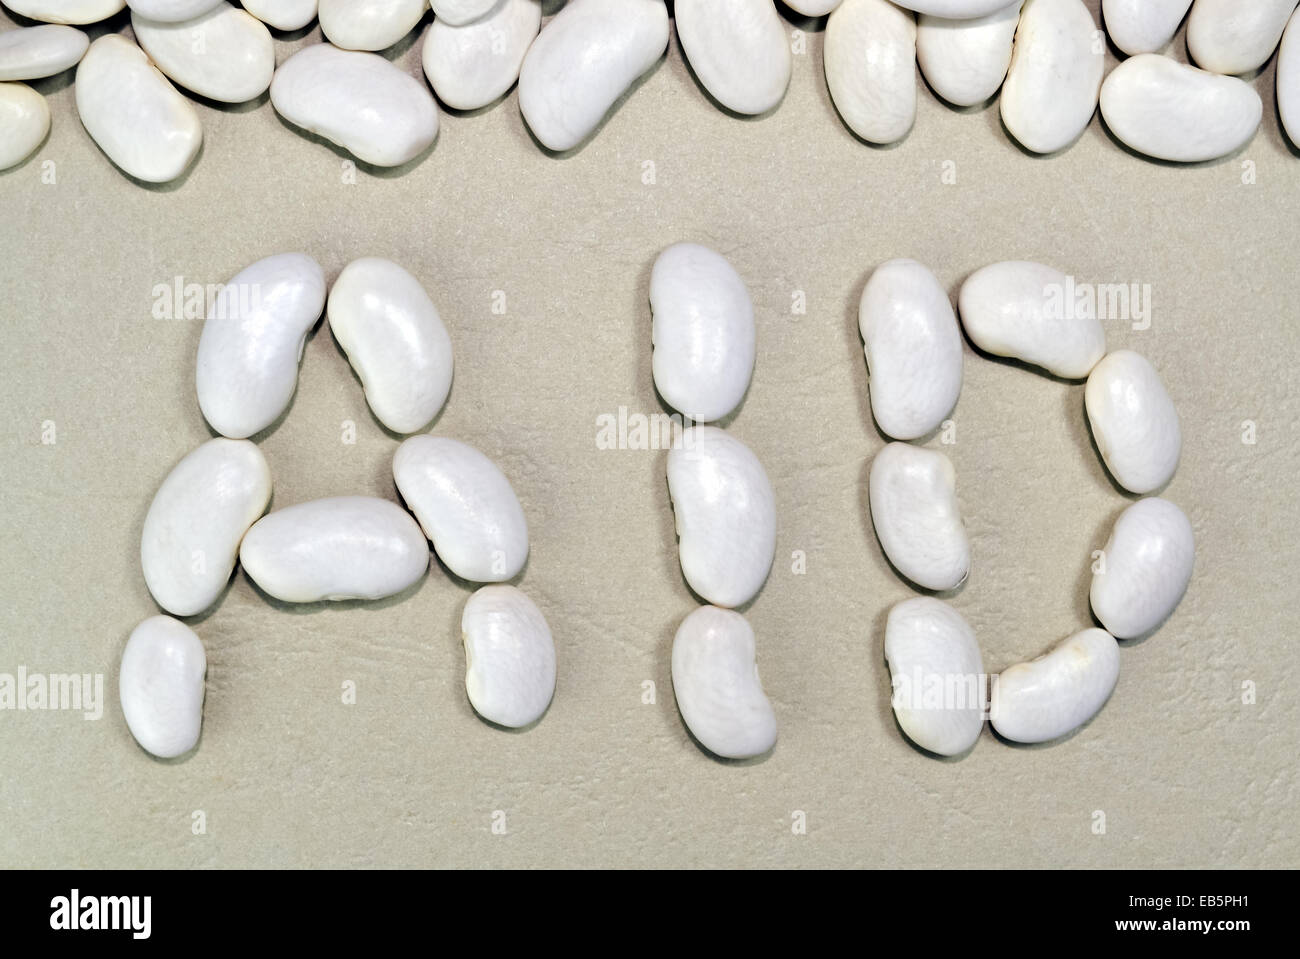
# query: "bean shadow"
937,757
1170,164
344,155
48,86
1011,362
997,124
800,21
171,186
293,36
409,39
476,111
854,344
664,660
223,106
1083,583
113,24
877,147
1132,642
1058,741
969,108
320,606
1278,130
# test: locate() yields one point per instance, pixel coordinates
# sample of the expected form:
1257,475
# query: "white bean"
703,332
24,122
1051,89
913,349
1173,111
394,339
358,101
1021,309
282,14
913,493
1288,79
66,11
715,680
1133,421
252,342
584,59
937,675
738,50
870,62
966,60
342,547
509,656
1146,568
161,686
471,66
1231,36
1055,694
465,505
196,521
726,515
369,24
1142,26
224,54
135,115
30,53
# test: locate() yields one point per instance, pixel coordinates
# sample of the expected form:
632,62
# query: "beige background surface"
287,775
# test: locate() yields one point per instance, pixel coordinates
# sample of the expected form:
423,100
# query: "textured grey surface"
1185,773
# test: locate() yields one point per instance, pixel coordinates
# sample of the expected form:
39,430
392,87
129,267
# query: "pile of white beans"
913,347
704,349
704,346
208,513
1047,57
